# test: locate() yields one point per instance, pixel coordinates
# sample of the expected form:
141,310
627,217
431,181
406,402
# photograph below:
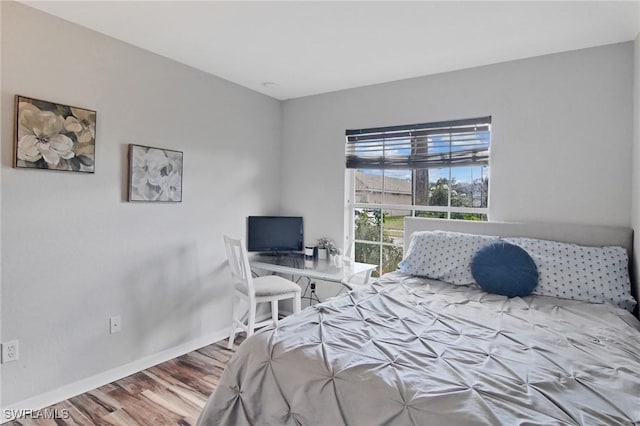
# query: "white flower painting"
155,174
54,136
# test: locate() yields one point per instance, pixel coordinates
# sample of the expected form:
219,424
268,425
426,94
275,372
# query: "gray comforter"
413,351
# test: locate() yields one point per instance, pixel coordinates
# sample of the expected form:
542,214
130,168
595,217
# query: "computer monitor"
275,234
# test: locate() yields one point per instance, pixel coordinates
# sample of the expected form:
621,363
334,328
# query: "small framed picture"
155,174
53,136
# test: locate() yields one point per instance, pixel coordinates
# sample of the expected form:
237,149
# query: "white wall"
74,251
561,136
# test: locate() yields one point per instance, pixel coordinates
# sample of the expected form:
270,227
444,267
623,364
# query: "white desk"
315,269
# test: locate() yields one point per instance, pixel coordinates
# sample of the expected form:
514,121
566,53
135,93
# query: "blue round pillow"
505,269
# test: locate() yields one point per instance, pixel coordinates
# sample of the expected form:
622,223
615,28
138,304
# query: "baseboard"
73,389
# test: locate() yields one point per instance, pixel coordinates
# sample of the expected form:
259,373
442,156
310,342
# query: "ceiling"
292,49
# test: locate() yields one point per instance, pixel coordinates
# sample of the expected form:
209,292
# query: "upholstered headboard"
587,235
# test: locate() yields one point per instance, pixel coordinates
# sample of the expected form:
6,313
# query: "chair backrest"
239,264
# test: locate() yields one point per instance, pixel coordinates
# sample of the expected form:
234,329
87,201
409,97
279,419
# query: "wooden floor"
172,393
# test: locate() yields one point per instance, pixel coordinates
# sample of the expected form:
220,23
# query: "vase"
322,254
308,252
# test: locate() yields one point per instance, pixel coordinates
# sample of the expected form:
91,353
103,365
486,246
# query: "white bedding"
407,350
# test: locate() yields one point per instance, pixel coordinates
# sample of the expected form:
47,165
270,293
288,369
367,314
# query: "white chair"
270,288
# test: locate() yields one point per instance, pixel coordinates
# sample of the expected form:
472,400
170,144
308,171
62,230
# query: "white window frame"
351,206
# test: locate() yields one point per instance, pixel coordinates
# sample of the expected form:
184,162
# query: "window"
437,170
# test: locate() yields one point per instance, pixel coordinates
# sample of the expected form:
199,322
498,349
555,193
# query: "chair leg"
296,303
234,327
274,312
251,323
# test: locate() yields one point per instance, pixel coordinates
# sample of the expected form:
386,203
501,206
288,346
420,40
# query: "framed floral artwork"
155,174
54,136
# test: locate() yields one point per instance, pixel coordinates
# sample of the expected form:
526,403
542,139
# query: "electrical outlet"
115,324
10,351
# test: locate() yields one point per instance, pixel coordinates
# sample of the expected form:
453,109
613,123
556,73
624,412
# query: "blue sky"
460,174
441,144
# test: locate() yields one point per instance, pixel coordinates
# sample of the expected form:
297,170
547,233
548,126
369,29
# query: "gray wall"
74,251
2,112
561,136
635,212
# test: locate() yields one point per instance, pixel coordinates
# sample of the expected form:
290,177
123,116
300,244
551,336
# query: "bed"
413,350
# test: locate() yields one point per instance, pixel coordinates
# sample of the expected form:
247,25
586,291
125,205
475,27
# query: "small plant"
330,245
325,243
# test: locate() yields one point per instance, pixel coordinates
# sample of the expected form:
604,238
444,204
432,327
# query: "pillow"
505,269
444,256
571,271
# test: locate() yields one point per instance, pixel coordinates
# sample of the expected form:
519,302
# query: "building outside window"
437,170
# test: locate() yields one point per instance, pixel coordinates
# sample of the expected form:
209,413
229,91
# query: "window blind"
420,146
